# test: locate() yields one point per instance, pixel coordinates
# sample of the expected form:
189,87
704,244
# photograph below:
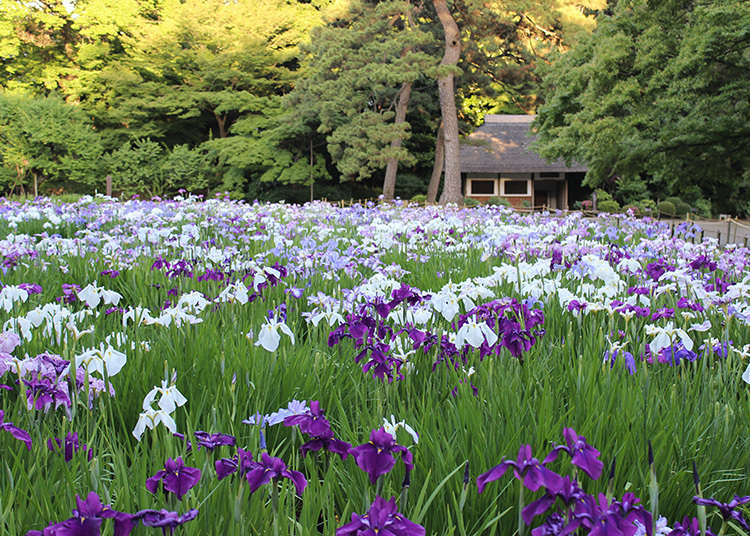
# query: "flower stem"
275,507
521,524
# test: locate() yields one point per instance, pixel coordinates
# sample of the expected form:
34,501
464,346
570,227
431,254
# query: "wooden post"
745,242
718,236
702,235
109,185
729,230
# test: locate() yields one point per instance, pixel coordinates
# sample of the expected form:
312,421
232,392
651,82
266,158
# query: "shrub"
647,206
608,205
470,202
602,195
497,201
419,198
667,208
680,207
702,207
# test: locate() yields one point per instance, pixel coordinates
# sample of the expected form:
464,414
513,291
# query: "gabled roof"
503,144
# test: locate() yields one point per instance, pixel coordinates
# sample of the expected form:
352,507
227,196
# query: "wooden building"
497,161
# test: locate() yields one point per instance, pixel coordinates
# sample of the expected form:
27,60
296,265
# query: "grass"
696,412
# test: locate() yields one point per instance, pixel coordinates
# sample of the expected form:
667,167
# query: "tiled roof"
502,144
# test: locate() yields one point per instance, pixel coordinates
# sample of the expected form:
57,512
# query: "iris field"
217,367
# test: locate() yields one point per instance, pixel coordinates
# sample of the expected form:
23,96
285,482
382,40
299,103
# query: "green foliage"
680,207
356,67
419,198
658,91
608,205
498,201
470,202
702,208
667,208
631,190
647,206
145,166
46,139
602,195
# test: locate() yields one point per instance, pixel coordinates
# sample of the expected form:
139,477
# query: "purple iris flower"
331,444
211,441
15,431
575,305
376,456
42,392
688,527
31,288
165,519
703,261
242,461
553,525
603,518
627,356
312,422
569,491
664,312
270,467
87,519
583,455
730,510
531,471
69,446
672,355
176,478
383,519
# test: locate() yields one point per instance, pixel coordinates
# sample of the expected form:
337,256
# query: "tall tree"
357,85
44,141
452,166
659,93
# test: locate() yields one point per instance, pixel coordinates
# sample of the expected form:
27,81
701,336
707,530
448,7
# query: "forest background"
339,99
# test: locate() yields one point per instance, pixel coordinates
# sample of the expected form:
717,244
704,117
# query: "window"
481,186
518,187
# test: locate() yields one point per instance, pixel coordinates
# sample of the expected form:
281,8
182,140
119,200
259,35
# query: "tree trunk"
452,182
221,121
437,167
389,183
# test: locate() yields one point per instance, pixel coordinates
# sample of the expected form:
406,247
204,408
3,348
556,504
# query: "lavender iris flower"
376,456
384,519
15,431
176,478
270,467
531,471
